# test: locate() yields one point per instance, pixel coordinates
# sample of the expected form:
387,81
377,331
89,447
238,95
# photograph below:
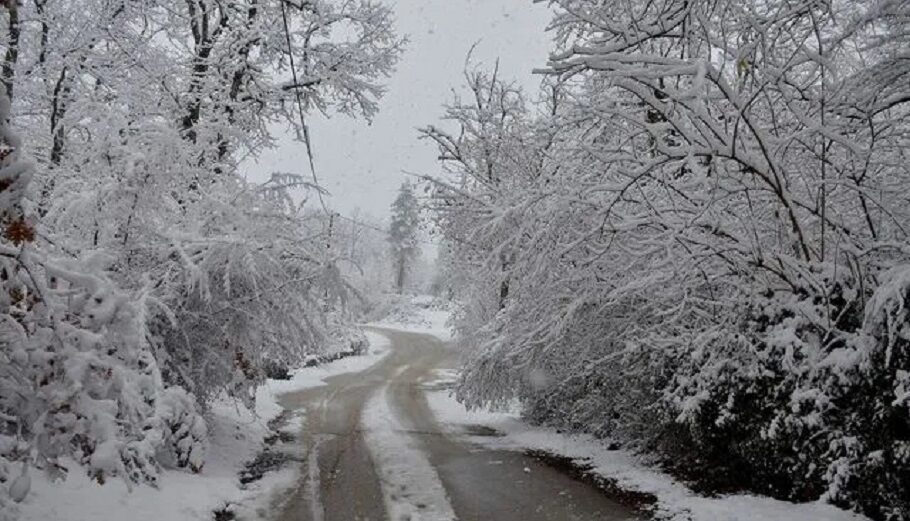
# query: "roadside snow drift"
675,502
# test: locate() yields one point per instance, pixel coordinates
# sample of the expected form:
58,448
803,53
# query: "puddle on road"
482,431
581,470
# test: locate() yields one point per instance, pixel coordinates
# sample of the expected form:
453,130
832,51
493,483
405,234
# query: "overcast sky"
361,164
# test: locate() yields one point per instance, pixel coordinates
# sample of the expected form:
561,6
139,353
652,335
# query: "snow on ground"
236,437
309,377
410,485
419,314
675,501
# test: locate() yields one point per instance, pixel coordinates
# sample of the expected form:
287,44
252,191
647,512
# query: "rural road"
341,480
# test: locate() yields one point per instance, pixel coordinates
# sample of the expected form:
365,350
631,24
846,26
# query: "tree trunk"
12,51
399,277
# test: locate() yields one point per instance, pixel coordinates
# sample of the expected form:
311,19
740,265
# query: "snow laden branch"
141,275
692,241
78,376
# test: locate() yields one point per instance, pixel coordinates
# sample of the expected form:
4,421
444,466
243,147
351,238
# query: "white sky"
361,164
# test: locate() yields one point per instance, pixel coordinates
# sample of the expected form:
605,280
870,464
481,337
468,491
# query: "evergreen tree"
403,234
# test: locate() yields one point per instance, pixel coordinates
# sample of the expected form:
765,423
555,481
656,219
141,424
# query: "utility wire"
303,125
308,143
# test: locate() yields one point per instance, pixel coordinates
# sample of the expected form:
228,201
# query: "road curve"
339,482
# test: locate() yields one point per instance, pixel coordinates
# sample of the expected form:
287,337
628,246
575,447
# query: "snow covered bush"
78,379
694,241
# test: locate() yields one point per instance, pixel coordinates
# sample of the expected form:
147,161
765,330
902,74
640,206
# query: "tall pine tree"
403,234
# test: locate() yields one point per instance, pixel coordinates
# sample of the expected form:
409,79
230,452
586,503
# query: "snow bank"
675,501
236,437
419,314
310,377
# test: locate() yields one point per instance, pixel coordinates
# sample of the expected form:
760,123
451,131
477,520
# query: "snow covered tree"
78,377
700,223
403,234
142,275
139,114
364,261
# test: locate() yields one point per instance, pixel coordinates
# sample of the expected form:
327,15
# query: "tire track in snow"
313,482
411,487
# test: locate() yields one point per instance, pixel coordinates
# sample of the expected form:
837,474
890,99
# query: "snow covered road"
376,452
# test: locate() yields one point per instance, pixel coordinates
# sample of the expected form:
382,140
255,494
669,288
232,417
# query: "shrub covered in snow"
78,378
